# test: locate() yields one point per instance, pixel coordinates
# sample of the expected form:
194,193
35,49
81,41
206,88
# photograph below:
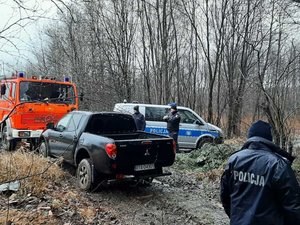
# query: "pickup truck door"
53,141
69,136
56,134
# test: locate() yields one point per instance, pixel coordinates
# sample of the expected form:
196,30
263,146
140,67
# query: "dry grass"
34,172
212,175
42,178
37,175
235,141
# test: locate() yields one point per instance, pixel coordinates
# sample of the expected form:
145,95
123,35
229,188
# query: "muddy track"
177,199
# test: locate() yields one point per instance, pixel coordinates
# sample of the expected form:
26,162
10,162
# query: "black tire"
8,145
43,149
85,175
204,140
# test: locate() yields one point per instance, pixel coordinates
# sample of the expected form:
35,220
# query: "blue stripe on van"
182,132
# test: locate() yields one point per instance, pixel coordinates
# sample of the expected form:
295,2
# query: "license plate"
144,167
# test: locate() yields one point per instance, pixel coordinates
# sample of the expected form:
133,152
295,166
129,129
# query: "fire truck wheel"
43,150
8,145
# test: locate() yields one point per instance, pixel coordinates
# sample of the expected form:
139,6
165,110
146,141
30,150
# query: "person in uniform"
258,186
173,120
139,119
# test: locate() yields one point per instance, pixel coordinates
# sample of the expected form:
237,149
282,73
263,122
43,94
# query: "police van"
193,130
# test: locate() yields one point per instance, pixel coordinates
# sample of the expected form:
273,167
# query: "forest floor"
188,196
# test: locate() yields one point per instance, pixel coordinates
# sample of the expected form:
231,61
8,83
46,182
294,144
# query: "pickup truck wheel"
43,149
84,175
8,145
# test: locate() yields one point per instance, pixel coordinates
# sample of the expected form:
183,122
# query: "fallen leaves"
47,195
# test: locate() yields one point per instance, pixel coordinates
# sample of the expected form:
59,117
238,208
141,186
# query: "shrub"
208,158
34,172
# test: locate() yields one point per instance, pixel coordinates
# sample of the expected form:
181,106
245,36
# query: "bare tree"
18,16
207,55
276,66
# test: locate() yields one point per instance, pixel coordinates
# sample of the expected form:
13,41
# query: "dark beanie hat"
173,105
260,129
136,108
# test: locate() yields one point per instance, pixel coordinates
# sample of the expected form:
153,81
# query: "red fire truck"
27,104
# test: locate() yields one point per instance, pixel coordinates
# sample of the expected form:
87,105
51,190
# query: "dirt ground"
177,199
184,197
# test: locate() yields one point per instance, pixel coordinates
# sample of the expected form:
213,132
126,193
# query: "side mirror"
3,89
198,123
50,125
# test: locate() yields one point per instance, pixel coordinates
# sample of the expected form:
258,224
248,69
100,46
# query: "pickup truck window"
108,124
74,122
63,123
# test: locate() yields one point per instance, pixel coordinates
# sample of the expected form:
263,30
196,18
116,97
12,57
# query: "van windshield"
50,92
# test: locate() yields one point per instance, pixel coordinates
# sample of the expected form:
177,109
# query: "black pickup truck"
106,146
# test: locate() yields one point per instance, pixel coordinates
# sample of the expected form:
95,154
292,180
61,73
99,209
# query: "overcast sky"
16,42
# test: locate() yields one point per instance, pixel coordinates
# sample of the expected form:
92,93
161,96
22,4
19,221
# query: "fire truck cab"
28,104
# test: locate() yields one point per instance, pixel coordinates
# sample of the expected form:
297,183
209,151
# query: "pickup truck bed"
107,147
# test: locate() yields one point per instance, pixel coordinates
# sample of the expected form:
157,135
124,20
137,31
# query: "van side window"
155,113
187,116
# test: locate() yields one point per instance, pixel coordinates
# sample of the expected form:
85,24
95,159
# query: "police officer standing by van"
139,118
258,186
173,120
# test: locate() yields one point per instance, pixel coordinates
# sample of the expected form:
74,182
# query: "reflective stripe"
182,132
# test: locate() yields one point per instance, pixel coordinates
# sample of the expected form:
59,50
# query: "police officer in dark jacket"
139,118
173,120
258,186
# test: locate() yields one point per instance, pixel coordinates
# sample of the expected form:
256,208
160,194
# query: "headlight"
24,133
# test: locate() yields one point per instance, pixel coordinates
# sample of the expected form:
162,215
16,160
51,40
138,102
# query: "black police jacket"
258,186
173,120
139,120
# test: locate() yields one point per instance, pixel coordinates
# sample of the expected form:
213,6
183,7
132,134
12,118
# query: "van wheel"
203,141
43,149
85,175
8,145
